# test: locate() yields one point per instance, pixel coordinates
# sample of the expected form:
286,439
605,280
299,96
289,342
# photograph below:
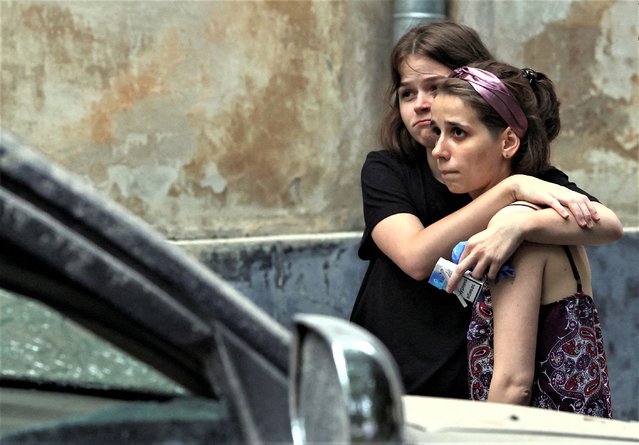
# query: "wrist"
511,188
529,227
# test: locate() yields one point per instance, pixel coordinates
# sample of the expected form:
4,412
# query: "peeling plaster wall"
205,118
589,48
234,118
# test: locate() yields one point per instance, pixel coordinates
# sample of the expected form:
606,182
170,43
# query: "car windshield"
40,345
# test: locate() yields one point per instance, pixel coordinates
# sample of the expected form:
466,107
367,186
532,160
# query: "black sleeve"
384,189
558,177
384,193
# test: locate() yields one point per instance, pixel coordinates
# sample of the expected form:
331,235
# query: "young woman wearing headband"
535,338
412,219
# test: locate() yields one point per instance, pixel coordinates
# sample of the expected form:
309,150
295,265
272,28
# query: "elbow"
617,231
410,264
516,390
521,395
415,272
613,228
614,232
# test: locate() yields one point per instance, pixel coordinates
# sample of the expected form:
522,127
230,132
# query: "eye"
405,94
435,129
458,132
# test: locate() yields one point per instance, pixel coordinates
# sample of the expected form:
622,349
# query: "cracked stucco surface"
590,50
204,118
227,118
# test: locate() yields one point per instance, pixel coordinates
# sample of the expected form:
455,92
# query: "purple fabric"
571,372
495,93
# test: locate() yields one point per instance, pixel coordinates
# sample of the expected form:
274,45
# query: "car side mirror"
344,384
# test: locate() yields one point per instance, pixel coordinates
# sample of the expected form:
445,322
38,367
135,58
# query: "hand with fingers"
563,200
504,269
486,252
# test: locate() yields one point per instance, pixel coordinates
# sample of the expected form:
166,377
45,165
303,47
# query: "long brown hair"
449,43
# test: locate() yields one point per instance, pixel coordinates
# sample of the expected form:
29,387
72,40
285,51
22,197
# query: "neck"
496,180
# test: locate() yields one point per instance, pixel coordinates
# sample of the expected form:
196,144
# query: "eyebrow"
449,123
435,77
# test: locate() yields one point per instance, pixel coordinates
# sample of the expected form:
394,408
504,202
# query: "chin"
453,188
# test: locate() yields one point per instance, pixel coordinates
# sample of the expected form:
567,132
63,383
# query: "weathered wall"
205,118
589,49
213,119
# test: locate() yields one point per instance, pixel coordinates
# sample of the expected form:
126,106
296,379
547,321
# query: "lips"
422,123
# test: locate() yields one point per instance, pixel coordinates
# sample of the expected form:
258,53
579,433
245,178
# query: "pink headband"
495,93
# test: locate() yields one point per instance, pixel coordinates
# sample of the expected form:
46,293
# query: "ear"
510,143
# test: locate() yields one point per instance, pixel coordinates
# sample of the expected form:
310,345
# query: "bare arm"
544,227
515,315
416,249
487,250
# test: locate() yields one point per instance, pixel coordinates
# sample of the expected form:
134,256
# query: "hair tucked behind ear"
538,101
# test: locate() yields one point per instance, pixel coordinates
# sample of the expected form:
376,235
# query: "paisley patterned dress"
571,373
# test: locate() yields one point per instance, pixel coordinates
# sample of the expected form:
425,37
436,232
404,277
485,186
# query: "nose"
424,101
440,151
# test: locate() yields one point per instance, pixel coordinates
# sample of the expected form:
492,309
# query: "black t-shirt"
423,327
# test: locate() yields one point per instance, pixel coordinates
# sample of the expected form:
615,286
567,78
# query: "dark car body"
65,246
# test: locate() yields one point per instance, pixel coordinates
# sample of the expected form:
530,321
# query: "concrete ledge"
317,274
321,274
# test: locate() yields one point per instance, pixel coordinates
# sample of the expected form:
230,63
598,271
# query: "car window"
39,344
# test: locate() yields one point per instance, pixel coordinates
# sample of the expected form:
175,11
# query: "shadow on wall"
321,274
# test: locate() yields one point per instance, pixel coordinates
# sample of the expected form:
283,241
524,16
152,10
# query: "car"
221,370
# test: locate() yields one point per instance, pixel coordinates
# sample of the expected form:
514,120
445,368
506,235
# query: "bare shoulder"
559,278
546,264
550,265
